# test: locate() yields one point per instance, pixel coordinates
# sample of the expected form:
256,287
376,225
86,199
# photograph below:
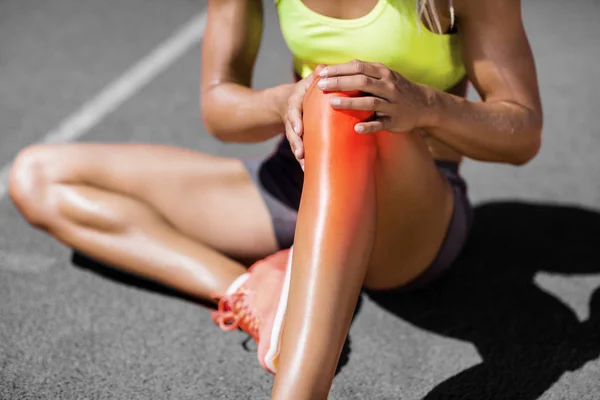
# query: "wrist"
430,112
276,98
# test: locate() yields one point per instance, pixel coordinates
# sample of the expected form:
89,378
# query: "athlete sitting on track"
384,205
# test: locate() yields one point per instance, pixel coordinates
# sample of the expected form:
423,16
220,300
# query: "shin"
333,243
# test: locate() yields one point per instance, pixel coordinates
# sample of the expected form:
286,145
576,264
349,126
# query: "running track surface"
500,326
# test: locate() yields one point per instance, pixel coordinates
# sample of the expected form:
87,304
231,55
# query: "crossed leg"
176,216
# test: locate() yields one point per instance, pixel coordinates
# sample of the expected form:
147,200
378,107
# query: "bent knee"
29,180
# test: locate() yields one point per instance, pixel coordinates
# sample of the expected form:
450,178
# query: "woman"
397,219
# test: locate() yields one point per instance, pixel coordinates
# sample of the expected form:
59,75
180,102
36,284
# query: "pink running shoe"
256,303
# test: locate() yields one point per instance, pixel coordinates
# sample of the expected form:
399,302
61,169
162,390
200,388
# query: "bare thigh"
414,207
208,198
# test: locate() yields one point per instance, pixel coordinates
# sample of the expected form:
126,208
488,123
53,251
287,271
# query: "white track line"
118,91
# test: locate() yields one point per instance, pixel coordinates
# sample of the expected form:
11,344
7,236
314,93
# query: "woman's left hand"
399,104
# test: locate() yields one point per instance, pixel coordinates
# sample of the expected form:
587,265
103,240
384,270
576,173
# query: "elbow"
531,145
210,122
525,155
211,114
528,150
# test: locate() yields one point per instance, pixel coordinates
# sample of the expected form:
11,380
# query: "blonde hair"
426,9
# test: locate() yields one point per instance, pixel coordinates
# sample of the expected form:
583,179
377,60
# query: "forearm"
235,113
334,238
496,131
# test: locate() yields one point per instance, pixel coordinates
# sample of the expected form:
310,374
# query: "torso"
385,31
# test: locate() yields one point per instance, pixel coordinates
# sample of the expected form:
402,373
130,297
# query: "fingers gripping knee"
330,134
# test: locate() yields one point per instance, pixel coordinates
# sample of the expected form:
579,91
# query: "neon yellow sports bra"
391,33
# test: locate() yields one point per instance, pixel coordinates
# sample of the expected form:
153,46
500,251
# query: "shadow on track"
526,337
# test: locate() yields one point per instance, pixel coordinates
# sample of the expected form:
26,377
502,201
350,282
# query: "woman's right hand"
293,115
